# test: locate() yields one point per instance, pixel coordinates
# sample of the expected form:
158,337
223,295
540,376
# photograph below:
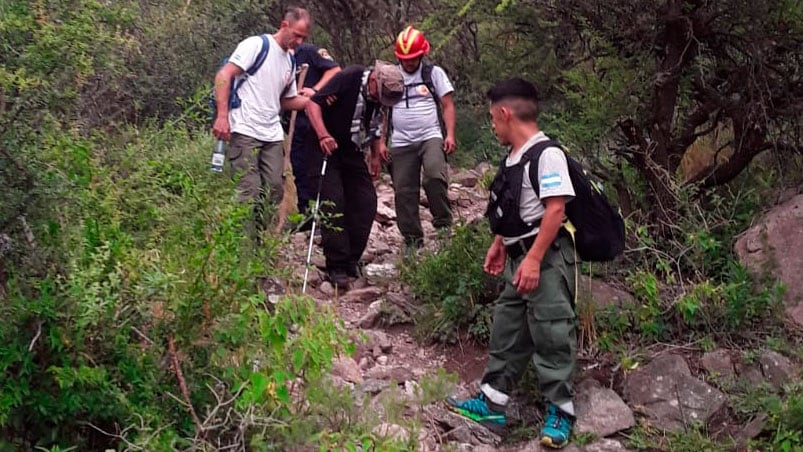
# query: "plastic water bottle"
218,157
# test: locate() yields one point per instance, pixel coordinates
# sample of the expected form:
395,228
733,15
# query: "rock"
371,317
459,429
601,294
777,368
604,445
718,364
367,294
752,428
273,288
771,246
384,214
376,273
358,284
482,168
346,368
397,374
373,386
378,339
337,382
751,373
327,289
382,360
462,447
467,178
392,431
670,396
600,410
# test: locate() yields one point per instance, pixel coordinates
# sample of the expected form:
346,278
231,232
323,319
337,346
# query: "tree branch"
182,384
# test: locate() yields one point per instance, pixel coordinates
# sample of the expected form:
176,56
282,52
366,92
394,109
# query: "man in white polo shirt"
253,129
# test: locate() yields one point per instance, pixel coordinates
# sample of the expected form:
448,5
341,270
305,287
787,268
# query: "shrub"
131,327
453,287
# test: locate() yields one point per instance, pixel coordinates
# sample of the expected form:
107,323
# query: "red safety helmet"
410,44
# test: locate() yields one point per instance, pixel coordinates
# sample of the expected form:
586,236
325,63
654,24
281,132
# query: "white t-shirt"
553,177
415,117
258,115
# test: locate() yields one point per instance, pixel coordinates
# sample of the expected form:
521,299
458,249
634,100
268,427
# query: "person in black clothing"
346,115
321,69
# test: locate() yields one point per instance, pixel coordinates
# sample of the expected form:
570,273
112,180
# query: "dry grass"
706,152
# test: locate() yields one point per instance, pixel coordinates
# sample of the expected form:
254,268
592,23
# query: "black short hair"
513,88
519,94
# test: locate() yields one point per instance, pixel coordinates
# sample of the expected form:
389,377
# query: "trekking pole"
314,221
288,148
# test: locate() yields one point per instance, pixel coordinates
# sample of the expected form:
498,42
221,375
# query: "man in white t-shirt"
253,129
417,139
534,318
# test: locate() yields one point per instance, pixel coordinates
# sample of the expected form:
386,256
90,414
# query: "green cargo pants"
260,165
538,325
406,173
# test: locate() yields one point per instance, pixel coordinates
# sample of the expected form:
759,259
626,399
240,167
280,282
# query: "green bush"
133,327
475,138
454,289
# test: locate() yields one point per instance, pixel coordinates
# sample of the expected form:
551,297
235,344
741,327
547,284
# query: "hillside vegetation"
130,295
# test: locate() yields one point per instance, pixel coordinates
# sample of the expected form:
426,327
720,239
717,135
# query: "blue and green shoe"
557,428
478,410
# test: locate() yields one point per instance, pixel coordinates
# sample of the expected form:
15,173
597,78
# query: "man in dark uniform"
346,115
321,69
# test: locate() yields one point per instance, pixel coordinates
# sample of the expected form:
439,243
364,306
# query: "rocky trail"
679,386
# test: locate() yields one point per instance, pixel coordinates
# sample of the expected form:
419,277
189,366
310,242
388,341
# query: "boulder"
600,410
670,396
773,246
601,293
719,365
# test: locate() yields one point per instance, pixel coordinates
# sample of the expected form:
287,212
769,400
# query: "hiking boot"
478,410
339,278
557,428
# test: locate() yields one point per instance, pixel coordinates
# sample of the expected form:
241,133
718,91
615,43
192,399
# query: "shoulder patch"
325,54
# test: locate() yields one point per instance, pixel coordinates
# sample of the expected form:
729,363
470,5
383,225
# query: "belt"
520,247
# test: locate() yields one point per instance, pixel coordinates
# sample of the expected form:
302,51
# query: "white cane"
314,222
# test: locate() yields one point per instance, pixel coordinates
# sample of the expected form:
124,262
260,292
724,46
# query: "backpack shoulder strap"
533,154
426,77
261,56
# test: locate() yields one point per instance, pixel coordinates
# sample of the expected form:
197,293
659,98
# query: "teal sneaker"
478,410
557,428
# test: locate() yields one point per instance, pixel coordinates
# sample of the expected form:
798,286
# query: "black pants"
351,205
300,147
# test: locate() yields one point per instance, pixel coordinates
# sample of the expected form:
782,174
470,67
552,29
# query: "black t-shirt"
344,87
318,63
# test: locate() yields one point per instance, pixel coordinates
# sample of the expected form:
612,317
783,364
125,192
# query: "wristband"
324,137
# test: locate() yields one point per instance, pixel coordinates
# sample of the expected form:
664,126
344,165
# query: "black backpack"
600,229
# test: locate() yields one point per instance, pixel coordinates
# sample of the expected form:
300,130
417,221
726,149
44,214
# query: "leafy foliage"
453,287
144,322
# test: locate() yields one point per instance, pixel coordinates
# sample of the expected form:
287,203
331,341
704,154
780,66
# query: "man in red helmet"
421,136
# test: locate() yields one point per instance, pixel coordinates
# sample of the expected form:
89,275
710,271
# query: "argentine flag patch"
551,180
